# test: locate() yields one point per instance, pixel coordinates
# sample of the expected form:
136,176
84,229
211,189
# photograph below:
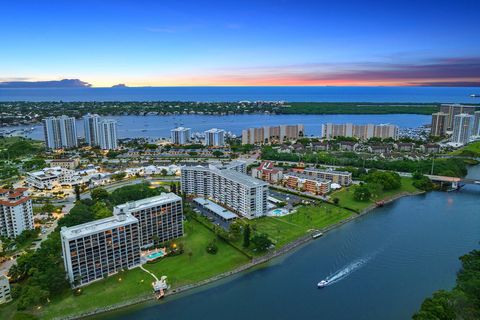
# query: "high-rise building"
439,124
5,294
215,137
362,131
97,249
268,134
16,212
160,218
107,133
180,135
455,109
462,128
60,132
90,124
236,191
476,124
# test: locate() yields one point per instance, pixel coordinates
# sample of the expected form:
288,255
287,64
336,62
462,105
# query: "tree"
212,247
100,210
336,200
217,153
77,192
99,194
246,236
261,242
164,172
361,193
235,230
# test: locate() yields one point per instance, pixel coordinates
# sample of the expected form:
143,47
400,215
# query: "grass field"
346,195
180,270
471,149
285,229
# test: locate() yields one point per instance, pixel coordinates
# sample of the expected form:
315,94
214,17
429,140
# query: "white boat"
317,235
475,95
322,284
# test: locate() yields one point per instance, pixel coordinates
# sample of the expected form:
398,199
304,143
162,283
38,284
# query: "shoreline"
290,247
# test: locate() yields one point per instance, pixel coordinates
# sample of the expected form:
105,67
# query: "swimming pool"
278,212
155,255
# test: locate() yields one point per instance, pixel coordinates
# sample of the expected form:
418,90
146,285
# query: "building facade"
16,212
439,124
363,131
90,125
306,183
97,249
342,178
5,294
160,218
107,132
60,132
180,135
266,171
462,128
276,134
237,191
476,123
215,137
453,110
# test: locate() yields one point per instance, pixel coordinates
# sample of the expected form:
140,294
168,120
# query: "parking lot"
213,218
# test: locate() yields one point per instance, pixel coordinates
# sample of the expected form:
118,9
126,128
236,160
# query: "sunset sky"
177,43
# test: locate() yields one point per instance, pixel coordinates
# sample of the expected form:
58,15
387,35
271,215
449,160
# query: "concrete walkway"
154,276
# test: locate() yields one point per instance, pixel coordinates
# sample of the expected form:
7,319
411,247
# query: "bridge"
454,181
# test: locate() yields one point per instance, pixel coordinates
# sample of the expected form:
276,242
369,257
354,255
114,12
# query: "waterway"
383,265
160,126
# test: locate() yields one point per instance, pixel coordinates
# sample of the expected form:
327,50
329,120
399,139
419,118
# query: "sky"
246,43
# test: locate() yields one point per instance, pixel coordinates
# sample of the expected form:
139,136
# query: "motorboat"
322,284
475,95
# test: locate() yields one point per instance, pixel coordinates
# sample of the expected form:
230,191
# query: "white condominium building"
90,124
363,131
476,123
453,110
5,295
462,128
180,135
107,132
237,191
268,134
60,132
97,249
160,218
49,178
16,212
215,137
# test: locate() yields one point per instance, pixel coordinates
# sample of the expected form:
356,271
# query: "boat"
317,235
475,95
322,284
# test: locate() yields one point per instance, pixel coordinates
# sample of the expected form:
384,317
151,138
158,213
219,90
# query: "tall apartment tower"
439,124
269,134
90,123
455,109
462,128
97,249
160,218
60,132
180,135
16,212
107,134
360,131
215,137
476,124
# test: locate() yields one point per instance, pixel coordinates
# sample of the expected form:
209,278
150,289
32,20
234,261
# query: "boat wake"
344,272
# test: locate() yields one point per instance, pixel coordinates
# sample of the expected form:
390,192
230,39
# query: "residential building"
180,135
453,110
235,165
60,132
342,178
235,190
404,146
462,128
439,124
306,183
49,178
16,212
380,148
276,134
64,163
5,295
476,124
347,145
97,249
430,148
160,218
362,131
215,137
107,133
91,127
266,171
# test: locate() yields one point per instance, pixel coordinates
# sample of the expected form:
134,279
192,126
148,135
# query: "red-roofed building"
266,171
16,212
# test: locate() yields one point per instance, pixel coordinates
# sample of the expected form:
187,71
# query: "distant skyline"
244,43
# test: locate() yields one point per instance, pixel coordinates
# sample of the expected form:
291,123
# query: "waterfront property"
306,183
462,128
452,110
160,218
360,131
268,134
180,135
60,132
342,178
266,171
215,137
16,212
235,190
97,249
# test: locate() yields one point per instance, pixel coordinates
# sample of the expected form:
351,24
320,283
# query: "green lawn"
180,270
288,228
346,195
470,149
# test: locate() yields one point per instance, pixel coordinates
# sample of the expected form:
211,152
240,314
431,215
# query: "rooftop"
97,226
328,171
148,202
230,174
215,208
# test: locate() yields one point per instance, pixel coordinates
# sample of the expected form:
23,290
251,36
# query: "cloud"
65,83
